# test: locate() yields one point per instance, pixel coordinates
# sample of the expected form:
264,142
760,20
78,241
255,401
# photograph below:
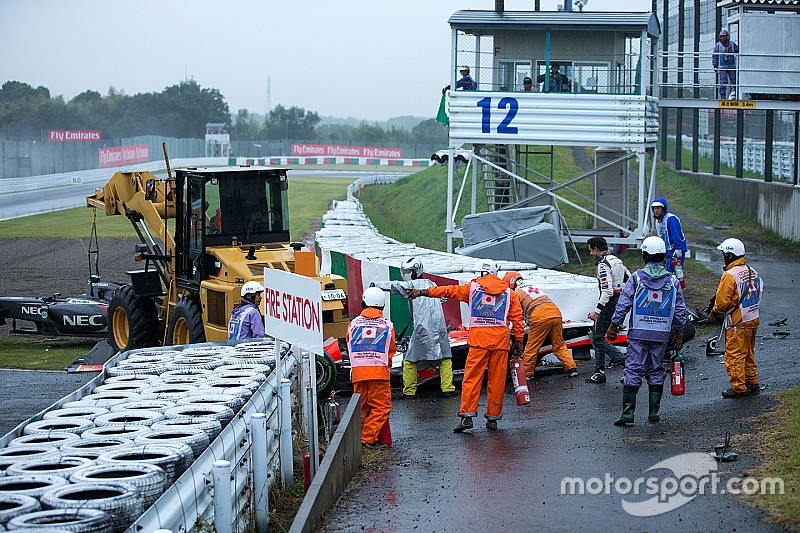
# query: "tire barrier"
211,426
158,412
148,479
144,405
92,448
152,380
89,413
122,502
228,400
220,412
24,453
104,399
173,460
185,373
62,466
138,417
30,485
13,505
123,432
255,370
76,520
170,391
54,438
134,369
181,380
193,363
69,425
196,439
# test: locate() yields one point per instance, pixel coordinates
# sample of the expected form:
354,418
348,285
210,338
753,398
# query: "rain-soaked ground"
511,479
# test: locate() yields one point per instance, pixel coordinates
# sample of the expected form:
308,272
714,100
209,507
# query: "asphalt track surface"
510,480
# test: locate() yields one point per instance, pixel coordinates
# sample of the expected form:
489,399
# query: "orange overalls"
370,343
492,308
545,320
741,321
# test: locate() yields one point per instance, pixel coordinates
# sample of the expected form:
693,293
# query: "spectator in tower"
724,61
559,83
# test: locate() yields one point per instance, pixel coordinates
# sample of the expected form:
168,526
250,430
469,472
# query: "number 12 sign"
507,103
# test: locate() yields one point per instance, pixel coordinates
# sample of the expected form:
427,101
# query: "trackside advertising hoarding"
74,136
117,156
293,309
332,150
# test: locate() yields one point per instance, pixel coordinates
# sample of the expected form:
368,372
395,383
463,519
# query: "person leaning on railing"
724,61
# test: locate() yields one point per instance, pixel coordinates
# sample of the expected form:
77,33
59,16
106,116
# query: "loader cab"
230,206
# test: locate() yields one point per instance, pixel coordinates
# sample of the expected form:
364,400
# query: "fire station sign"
293,309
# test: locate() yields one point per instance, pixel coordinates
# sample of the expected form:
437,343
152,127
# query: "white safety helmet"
374,297
657,204
412,266
732,246
252,287
488,266
463,68
654,246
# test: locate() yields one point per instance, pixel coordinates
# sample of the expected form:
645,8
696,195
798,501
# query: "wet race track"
511,479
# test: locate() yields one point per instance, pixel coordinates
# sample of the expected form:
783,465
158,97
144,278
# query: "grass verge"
41,353
778,438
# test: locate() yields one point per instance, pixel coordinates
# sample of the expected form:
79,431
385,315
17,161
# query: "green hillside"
414,209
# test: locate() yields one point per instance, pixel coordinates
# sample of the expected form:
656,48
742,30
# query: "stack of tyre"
97,463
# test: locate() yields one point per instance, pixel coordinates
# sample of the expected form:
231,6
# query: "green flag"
441,116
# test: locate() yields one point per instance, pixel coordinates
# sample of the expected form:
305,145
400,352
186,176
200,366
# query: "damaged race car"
82,316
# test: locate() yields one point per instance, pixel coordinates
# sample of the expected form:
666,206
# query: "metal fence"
21,159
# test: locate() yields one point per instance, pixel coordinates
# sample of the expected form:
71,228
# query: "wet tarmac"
511,479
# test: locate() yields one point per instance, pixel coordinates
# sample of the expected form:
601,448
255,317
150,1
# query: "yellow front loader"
225,226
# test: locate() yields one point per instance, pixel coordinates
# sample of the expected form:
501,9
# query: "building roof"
484,22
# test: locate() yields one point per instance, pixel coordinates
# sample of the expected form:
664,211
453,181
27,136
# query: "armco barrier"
295,160
336,470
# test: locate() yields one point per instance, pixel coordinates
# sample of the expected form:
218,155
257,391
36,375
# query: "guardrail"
83,177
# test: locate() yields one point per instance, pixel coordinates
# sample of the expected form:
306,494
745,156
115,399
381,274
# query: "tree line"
181,111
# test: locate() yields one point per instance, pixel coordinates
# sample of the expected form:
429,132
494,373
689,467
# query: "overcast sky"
367,59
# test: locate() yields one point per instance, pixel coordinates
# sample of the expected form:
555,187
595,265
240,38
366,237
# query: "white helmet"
488,266
732,246
463,68
252,287
653,246
412,265
374,297
657,203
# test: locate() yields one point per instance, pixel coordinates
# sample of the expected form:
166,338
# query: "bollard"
223,499
285,405
260,451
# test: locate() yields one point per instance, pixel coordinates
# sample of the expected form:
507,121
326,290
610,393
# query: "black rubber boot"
628,405
656,391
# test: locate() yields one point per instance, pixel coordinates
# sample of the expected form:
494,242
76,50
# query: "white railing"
753,155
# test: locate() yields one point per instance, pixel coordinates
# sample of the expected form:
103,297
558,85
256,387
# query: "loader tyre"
186,323
132,321
326,375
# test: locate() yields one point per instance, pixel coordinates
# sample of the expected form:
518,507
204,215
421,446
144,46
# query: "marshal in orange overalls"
488,340
371,345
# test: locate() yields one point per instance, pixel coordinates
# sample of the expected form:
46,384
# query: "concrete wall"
338,467
776,206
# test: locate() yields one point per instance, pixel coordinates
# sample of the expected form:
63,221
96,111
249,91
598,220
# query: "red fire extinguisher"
677,267
519,381
678,379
